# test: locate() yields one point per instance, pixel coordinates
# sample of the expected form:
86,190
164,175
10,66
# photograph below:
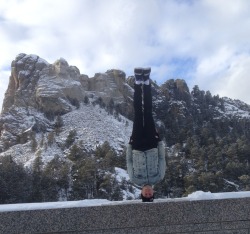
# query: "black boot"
146,74
138,75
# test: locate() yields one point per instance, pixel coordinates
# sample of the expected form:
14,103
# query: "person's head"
147,193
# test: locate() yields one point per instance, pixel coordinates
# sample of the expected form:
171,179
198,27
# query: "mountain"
62,128
39,91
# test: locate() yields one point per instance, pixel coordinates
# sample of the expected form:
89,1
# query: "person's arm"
162,159
129,161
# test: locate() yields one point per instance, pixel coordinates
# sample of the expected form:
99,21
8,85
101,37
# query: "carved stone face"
100,83
84,81
61,66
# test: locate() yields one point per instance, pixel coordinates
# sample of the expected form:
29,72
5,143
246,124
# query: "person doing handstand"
145,154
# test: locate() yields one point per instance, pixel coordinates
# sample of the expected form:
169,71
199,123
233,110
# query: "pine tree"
51,138
245,182
14,182
70,138
55,179
58,124
75,153
84,173
33,142
37,193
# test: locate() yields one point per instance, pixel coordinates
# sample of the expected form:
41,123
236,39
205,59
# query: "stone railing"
220,216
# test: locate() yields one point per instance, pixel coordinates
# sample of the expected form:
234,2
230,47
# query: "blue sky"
204,42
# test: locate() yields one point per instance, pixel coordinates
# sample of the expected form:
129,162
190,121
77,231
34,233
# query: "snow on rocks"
94,126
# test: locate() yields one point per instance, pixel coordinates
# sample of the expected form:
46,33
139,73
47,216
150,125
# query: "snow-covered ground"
93,126
199,195
121,175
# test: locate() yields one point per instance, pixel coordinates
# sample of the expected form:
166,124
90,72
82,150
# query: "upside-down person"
145,155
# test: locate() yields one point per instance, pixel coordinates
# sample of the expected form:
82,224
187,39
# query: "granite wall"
222,216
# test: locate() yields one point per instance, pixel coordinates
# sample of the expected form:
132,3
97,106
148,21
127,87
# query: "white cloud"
97,35
210,69
234,82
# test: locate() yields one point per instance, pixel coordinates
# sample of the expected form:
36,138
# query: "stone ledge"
202,216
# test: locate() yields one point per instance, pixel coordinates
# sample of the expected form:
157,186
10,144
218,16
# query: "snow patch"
198,195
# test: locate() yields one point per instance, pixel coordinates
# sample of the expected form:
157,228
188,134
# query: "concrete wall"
222,216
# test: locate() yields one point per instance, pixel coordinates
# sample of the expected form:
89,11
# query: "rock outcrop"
53,89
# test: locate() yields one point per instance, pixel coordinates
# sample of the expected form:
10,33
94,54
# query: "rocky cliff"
35,86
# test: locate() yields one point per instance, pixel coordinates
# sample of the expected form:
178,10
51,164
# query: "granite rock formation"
53,89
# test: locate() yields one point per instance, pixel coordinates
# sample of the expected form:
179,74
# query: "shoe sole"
138,70
147,70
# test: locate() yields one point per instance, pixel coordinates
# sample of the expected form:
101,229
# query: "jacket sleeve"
129,162
162,159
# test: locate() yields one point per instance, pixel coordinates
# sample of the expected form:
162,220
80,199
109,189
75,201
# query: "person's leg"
137,132
149,125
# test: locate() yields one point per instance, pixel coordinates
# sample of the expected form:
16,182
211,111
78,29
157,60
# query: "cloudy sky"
204,42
